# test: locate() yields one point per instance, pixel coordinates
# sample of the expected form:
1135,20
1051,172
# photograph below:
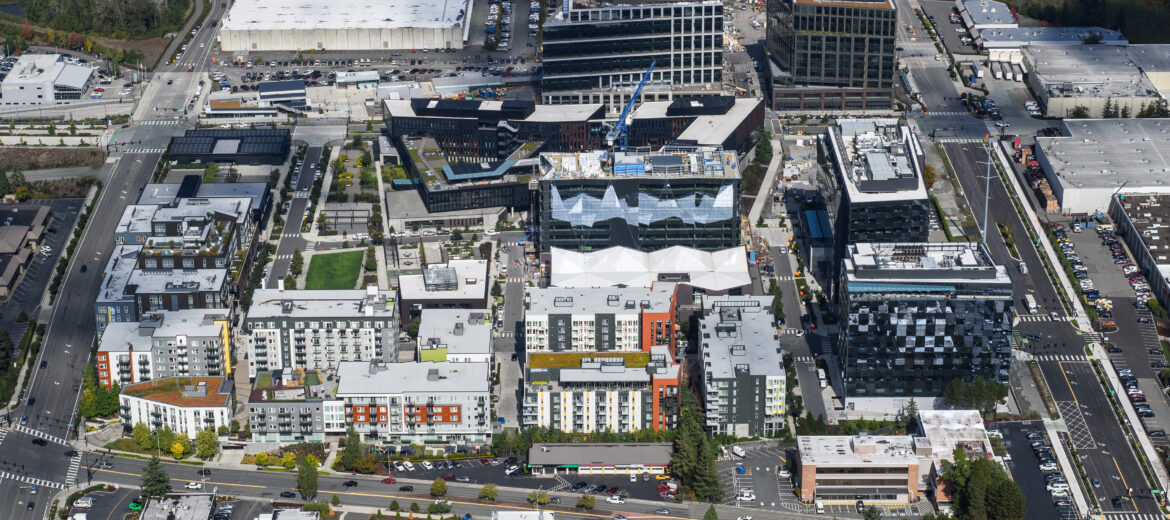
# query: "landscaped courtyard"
334,270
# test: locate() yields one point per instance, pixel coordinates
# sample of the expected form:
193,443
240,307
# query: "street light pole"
986,187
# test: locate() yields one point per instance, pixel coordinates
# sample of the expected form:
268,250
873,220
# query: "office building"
317,330
44,80
416,402
598,52
1064,79
831,55
682,196
186,405
457,284
841,469
743,367
874,192
179,506
916,316
287,93
165,344
600,458
1085,168
21,228
944,431
455,335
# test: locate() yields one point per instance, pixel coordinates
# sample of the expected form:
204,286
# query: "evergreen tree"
5,187
352,451
155,482
711,514
489,492
298,262
307,479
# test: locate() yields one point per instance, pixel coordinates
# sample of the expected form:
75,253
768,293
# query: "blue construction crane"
621,130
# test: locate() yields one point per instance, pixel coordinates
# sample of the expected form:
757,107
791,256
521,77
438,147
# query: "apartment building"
190,343
831,55
457,284
292,411
744,382
611,319
186,405
456,335
916,316
417,402
317,330
597,52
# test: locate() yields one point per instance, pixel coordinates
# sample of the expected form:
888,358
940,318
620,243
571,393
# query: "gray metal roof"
614,454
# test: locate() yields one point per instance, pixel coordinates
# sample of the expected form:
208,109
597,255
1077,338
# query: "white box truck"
738,452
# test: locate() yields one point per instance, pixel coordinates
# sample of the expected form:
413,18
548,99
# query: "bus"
1030,302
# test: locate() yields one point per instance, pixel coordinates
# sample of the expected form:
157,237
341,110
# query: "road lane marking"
1066,381
1124,483
205,483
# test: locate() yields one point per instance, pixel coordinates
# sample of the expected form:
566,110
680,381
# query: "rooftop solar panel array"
251,141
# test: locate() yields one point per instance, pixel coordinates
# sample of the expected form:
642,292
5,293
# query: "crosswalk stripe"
143,150
31,480
1061,357
74,467
958,139
36,433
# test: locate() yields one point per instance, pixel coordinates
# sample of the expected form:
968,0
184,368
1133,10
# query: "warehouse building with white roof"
44,79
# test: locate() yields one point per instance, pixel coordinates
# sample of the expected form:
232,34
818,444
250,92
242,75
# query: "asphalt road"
290,239
66,347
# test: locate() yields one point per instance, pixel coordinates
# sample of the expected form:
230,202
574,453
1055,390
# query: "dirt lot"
61,189
40,158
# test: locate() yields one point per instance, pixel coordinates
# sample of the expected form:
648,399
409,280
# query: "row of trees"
981,490
1113,110
96,400
980,394
694,453
178,445
125,19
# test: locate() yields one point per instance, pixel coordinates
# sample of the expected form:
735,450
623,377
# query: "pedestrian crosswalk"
291,235
35,433
784,278
158,123
4,475
3,433
283,257
804,359
144,150
792,331
1060,357
1131,516
958,140
1038,317
948,114
74,467
301,195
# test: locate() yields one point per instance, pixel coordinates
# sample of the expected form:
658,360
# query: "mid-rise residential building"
417,402
875,190
679,196
598,52
291,411
743,366
186,405
831,55
457,284
186,343
456,335
316,330
611,319
916,316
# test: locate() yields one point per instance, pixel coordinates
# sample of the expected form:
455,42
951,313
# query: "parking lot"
1025,470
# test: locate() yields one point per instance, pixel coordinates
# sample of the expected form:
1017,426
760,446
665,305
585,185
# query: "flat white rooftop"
1088,71
280,15
1107,153
843,450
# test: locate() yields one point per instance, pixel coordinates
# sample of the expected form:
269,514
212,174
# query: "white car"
1051,466
784,473
427,465
409,466
746,497
614,499
491,232
194,485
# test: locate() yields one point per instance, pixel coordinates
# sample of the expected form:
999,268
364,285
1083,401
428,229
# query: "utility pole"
986,186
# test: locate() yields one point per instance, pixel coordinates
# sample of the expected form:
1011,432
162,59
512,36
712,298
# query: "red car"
485,462
449,477
99,89
389,480
190,69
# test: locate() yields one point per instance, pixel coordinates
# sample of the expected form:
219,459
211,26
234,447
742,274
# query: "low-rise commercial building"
743,367
44,80
288,93
221,145
186,343
600,458
1070,79
455,335
21,228
1020,37
1093,159
186,405
441,402
843,469
458,284
317,330
943,432
916,316
179,506
985,14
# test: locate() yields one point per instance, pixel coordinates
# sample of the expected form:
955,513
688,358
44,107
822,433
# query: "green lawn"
334,271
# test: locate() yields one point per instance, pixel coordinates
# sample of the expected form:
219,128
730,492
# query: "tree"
142,436
438,487
289,460
394,505
496,291
981,489
336,500
414,507
872,513
290,282
929,176
489,492
585,502
206,444
542,498
298,262
87,407
352,451
711,514
26,31
1079,112
485,250
5,187
166,437
322,222
307,478
178,449
17,178
532,497
155,482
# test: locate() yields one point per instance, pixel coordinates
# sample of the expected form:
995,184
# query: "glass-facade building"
919,315
599,47
831,55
